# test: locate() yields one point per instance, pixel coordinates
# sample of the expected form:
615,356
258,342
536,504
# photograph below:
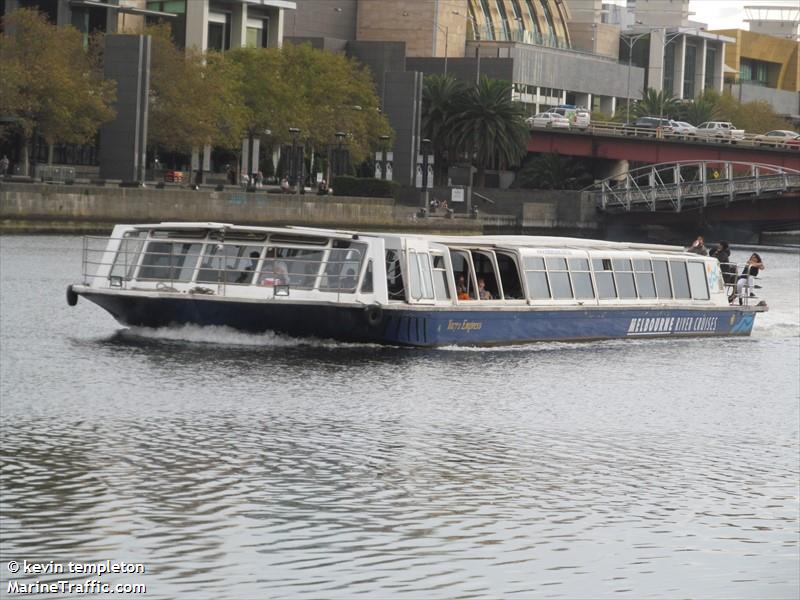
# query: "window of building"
177,25
604,278
689,71
505,32
755,72
711,64
219,31
538,38
669,67
698,281
552,37
487,18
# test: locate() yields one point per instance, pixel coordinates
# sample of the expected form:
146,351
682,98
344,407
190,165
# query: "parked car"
682,129
650,125
578,117
722,130
548,119
779,137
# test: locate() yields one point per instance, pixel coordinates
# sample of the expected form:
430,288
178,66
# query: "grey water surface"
243,466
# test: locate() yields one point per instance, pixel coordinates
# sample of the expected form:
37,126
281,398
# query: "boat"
407,289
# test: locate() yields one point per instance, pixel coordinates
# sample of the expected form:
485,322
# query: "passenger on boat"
246,275
461,288
698,246
723,254
483,293
746,279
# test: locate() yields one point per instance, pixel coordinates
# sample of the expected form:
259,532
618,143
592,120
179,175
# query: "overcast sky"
729,14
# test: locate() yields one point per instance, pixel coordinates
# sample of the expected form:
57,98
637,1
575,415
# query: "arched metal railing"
691,184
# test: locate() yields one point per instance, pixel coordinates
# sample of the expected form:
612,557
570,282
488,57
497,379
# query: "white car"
579,118
719,129
682,129
779,137
548,119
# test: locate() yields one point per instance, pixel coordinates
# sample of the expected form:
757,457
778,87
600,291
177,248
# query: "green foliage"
440,96
345,185
50,83
701,109
553,172
194,99
753,117
656,103
489,127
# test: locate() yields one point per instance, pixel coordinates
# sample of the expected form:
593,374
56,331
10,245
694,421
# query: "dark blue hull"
426,326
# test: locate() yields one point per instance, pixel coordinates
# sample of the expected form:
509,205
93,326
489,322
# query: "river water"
242,466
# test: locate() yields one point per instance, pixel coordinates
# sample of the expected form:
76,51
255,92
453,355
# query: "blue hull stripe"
427,327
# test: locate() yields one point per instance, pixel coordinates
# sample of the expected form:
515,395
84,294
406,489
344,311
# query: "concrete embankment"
43,208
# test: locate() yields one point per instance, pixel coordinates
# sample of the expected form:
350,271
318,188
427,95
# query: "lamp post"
340,135
384,143
293,163
631,42
425,148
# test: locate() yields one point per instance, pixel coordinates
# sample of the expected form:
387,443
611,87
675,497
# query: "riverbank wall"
48,208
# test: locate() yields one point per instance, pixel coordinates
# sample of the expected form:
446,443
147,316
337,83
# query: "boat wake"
227,336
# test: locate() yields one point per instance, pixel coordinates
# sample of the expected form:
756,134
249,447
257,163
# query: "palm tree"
490,126
440,94
701,109
656,103
553,172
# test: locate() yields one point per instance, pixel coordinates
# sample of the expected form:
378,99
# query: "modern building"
764,63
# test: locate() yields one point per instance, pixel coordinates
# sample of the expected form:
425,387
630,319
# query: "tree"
489,127
50,85
656,103
701,109
440,95
553,172
195,100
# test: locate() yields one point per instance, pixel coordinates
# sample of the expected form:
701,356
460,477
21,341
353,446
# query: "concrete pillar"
206,158
719,69
197,25
275,34
239,25
700,69
680,66
563,97
538,99
655,68
608,105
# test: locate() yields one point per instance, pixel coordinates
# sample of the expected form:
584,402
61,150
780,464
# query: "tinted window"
581,278
662,279
644,279
623,275
509,276
698,280
680,279
604,278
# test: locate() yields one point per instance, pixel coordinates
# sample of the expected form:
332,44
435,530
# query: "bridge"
615,142
686,185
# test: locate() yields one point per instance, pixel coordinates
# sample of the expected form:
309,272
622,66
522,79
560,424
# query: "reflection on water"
238,466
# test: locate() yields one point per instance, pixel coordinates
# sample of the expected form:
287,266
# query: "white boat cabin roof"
505,241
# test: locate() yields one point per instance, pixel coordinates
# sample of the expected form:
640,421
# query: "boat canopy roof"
503,241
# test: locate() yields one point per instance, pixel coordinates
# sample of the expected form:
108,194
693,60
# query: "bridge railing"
752,140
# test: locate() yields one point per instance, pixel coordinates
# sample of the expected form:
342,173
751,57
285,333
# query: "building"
764,63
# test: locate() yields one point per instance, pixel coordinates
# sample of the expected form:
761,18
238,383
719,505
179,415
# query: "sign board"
457,195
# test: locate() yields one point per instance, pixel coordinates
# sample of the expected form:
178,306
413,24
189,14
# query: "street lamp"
425,148
293,163
384,143
340,135
631,42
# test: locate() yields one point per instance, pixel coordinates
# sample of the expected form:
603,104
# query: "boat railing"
737,285
184,262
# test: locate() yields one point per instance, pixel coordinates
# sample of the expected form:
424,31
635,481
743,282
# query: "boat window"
604,278
128,254
559,277
421,281
698,280
645,282
465,287
440,277
366,285
277,239
295,267
509,276
680,279
536,276
623,274
174,261
484,269
229,263
581,278
663,286
343,266
198,234
394,276
238,236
